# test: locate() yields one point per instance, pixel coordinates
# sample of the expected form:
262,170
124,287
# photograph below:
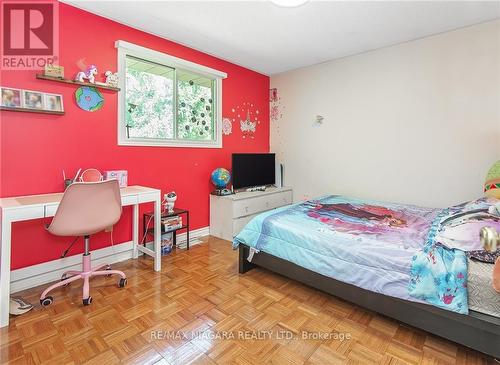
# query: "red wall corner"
35,148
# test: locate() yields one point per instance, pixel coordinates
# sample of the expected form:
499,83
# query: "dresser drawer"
239,223
246,207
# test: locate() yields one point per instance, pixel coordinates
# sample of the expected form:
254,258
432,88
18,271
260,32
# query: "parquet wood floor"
200,310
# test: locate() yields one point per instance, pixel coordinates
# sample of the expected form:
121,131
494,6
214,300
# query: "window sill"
182,144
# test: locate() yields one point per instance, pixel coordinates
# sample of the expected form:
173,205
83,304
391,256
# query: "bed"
403,261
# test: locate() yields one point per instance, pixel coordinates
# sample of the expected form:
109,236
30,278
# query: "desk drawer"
50,210
129,200
24,213
245,207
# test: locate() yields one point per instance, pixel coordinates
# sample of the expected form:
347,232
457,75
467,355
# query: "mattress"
482,297
369,244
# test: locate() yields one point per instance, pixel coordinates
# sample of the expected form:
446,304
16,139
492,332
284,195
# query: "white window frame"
129,49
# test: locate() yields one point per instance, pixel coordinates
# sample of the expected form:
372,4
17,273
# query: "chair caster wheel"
122,283
45,302
87,301
108,268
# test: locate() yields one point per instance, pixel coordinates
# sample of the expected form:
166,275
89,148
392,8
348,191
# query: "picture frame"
33,100
11,97
53,102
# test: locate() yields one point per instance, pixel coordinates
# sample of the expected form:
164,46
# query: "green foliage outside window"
150,95
149,106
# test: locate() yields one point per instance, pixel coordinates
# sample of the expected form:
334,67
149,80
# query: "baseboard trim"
46,272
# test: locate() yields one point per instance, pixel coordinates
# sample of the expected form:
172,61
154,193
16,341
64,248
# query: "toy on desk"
170,199
111,78
120,175
91,175
88,74
220,178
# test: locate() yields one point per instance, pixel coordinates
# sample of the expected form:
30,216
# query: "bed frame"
476,330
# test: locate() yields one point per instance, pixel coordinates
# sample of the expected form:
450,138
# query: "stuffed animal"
492,183
111,78
88,74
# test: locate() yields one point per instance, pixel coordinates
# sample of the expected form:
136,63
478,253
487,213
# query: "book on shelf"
171,228
171,223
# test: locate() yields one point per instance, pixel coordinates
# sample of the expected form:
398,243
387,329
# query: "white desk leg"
135,229
157,240
5,270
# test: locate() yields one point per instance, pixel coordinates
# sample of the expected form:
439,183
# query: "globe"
220,177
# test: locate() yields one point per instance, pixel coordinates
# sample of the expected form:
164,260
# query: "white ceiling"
272,39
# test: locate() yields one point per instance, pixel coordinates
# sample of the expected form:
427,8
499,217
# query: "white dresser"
230,213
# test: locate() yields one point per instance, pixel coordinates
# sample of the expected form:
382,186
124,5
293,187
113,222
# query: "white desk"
22,208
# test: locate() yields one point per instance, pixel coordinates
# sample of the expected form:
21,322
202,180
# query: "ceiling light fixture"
289,3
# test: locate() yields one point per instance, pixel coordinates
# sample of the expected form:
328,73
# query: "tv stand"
230,213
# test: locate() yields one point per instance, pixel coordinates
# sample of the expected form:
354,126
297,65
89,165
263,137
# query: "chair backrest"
87,208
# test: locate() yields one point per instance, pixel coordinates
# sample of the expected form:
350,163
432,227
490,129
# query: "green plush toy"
492,184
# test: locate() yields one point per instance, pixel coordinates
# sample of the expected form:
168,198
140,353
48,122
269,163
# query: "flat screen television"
253,169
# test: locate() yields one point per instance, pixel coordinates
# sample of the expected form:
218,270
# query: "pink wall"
36,147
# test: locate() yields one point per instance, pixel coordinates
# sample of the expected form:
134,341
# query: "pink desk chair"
85,209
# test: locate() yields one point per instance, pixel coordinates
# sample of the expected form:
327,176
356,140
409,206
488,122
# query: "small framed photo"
53,102
11,97
33,99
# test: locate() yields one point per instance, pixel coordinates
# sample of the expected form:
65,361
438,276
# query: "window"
167,101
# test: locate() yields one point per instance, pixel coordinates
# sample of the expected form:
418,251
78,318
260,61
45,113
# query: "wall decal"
196,111
248,116
274,105
275,114
248,127
89,98
227,126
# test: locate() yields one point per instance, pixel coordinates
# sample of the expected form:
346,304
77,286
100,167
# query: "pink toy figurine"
89,74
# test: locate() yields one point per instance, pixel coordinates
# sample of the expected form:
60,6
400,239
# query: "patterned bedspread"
387,248
439,270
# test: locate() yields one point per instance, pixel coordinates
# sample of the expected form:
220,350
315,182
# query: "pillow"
459,225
